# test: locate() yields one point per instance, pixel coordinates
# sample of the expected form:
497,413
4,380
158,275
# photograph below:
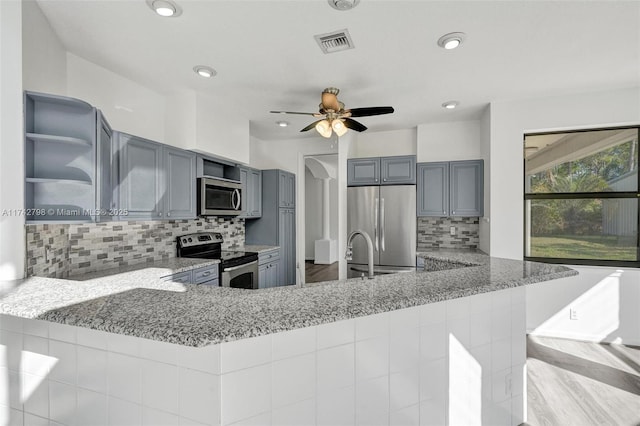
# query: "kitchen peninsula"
445,346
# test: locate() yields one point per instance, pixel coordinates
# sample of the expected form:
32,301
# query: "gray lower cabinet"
206,275
269,269
287,233
155,181
180,188
453,188
251,192
277,226
398,170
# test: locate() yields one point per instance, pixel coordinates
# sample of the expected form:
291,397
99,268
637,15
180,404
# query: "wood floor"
316,273
578,383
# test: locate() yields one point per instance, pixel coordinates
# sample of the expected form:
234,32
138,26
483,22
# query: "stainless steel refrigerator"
388,215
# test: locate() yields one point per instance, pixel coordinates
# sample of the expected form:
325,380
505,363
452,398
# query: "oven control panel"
201,238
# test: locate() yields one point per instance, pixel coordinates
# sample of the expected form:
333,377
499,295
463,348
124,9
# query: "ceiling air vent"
335,41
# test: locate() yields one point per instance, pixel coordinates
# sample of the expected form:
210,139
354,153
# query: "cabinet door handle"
168,214
453,212
206,274
159,213
384,180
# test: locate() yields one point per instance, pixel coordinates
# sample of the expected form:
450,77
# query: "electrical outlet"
573,314
452,230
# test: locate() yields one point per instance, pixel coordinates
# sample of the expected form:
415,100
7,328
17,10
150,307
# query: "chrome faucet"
349,254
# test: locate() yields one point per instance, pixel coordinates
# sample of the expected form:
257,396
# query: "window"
582,197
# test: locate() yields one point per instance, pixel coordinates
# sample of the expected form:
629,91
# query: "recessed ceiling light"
282,123
451,40
450,104
165,8
343,4
204,71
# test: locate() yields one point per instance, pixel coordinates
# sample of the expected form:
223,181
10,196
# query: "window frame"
582,196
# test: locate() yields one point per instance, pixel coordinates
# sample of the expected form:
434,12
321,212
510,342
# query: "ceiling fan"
333,116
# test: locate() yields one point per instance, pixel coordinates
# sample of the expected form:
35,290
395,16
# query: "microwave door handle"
235,199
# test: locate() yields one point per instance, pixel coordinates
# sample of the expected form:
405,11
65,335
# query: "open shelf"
82,106
37,137
63,181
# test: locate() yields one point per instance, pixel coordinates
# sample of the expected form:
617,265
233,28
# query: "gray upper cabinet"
363,171
251,192
60,159
287,189
467,188
433,189
155,181
180,183
141,183
399,170
106,182
450,189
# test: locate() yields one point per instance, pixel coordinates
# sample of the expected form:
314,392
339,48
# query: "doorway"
321,218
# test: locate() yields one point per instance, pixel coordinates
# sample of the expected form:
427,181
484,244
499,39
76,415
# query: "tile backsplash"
434,232
67,250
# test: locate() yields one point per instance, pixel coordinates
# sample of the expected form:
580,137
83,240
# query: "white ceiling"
267,58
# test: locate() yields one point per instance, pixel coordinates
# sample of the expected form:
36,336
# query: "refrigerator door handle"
382,222
375,224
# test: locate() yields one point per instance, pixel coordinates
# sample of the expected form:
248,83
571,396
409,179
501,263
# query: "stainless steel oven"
219,197
244,275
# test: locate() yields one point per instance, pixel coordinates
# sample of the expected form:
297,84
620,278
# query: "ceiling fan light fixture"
324,128
450,104
338,126
343,4
205,71
451,41
165,8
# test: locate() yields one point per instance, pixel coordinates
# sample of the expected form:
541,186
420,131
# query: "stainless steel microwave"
219,197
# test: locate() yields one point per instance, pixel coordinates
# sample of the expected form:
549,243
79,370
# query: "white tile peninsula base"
459,362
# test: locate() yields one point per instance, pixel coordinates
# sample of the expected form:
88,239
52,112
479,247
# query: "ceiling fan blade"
292,112
310,126
354,125
365,112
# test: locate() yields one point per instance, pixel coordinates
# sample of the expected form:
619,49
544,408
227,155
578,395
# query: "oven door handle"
244,265
235,199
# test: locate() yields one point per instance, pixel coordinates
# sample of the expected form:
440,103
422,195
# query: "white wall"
221,129
129,106
448,141
180,120
383,144
485,154
44,58
605,300
12,238
510,120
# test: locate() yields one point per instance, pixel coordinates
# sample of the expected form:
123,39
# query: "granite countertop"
150,270
259,249
193,315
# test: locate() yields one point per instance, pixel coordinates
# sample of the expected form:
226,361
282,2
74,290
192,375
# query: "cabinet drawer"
270,256
213,282
182,277
207,273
